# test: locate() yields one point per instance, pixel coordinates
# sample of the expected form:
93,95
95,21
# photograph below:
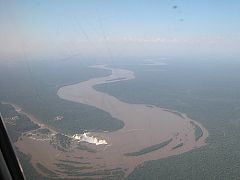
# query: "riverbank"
145,125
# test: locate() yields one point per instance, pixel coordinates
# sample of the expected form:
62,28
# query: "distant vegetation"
177,146
176,113
198,131
16,123
44,131
208,92
72,162
61,142
33,86
149,149
73,170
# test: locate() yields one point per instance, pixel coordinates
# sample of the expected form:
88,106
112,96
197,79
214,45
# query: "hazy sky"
119,28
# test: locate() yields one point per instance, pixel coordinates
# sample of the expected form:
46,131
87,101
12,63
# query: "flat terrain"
207,91
146,129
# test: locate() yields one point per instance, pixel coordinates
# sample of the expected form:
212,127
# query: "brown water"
145,125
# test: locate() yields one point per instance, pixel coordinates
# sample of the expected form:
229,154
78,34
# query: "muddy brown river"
146,129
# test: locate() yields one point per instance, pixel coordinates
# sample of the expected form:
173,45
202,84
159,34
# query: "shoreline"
31,117
146,127
85,93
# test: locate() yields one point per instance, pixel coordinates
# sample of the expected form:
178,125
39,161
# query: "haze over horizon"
119,29
128,89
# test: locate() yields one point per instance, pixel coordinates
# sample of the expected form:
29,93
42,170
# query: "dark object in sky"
175,7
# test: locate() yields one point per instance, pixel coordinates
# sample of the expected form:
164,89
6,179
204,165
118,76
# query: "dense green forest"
207,91
33,86
16,123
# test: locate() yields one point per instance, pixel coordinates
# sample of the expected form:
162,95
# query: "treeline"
149,149
208,92
16,123
36,94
